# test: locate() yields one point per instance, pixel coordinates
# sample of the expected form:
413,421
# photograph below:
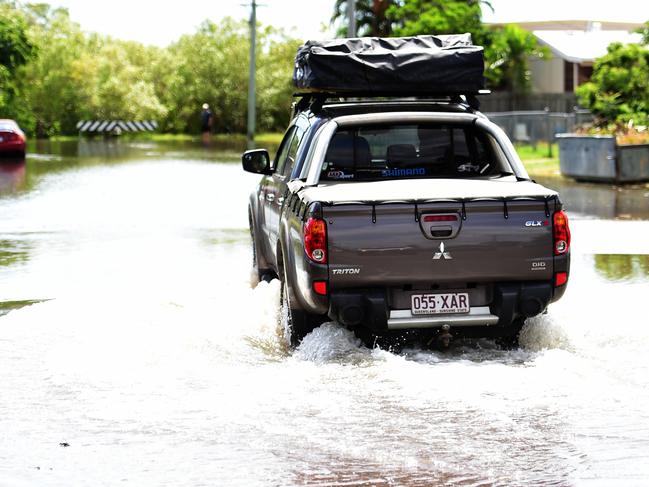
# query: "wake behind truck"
394,205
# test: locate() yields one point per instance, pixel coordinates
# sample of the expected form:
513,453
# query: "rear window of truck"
376,152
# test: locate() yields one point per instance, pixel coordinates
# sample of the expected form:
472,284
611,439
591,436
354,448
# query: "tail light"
320,287
561,232
560,278
315,240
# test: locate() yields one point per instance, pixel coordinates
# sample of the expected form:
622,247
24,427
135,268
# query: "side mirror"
256,161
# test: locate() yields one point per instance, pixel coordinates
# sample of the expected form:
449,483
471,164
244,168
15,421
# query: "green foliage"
371,17
644,31
507,49
211,66
507,52
618,92
15,51
15,48
55,84
275,80
414,17
78,76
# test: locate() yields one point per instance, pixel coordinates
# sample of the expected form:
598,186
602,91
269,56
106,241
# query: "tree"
371,17
644,31
275,79
618,92
15,47
78,76
415,17
507,49
57,82
211,66
120,85
85,76
15,51
507,53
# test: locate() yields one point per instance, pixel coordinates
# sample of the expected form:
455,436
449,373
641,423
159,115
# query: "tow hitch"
443,338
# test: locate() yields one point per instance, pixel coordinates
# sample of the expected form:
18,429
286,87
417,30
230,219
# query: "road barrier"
115,127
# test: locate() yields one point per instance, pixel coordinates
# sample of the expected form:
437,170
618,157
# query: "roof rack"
314,101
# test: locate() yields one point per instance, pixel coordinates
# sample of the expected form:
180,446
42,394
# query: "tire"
261,274
297,323
509,339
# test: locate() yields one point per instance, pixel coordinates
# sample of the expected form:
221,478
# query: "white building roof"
583,46
516,11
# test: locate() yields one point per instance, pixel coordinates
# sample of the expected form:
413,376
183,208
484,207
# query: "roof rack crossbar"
316,100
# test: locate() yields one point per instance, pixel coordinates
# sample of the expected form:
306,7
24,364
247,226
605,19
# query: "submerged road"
129,331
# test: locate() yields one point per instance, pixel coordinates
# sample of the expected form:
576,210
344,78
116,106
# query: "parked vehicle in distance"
12,139
393,215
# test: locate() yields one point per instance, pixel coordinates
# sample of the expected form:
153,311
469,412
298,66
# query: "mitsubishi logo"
442,253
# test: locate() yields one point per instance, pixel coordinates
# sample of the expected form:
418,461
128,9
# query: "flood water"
133,349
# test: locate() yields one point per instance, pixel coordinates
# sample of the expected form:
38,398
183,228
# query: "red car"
12,139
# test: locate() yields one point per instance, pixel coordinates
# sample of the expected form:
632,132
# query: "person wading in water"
207,119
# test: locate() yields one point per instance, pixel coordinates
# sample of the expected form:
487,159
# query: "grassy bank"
260,139
537,160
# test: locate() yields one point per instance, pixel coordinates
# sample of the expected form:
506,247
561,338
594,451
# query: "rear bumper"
509,302
12,147
402,319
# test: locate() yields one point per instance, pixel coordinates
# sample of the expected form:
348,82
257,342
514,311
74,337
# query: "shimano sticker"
392,173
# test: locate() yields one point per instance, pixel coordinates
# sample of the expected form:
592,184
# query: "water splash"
331,342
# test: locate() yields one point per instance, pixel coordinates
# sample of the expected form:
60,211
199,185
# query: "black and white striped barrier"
115,126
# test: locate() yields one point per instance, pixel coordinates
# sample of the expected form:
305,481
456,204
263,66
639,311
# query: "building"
575,45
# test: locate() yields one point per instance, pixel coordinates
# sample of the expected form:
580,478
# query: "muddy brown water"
129,331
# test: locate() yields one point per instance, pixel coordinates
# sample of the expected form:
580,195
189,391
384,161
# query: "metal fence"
500,101
531,127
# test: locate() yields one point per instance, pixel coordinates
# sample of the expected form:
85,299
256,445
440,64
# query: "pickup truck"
396,215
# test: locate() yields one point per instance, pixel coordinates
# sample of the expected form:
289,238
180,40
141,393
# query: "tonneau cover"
443,64
424,189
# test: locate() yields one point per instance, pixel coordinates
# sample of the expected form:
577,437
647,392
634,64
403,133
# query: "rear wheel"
261,274
297,323
509,339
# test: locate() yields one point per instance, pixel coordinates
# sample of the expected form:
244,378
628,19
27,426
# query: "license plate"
432,304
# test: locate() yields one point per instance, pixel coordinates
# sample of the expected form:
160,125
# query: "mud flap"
513,301
360,307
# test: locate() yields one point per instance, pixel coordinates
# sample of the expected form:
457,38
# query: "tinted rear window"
409,151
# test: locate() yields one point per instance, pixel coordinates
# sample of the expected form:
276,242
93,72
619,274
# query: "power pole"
351,18
252,115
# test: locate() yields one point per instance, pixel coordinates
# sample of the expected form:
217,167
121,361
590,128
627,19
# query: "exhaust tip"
351,315
531,307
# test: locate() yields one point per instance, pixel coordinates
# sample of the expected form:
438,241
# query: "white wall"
547,75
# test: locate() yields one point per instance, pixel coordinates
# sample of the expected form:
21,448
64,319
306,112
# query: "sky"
161,22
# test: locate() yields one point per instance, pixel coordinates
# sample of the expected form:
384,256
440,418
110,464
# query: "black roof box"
422,65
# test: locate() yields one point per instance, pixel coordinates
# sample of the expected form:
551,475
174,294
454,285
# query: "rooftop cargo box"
422,65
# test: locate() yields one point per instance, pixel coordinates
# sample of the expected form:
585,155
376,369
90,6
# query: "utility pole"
351,18
252,115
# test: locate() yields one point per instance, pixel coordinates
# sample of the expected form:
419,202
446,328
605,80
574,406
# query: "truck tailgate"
399,244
